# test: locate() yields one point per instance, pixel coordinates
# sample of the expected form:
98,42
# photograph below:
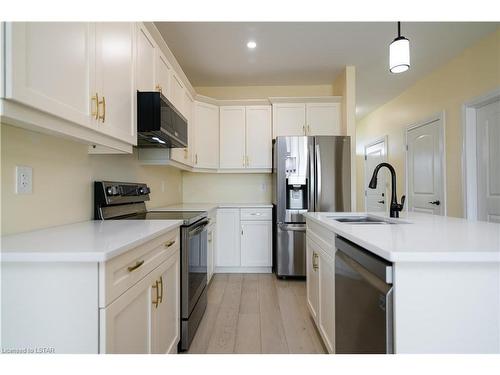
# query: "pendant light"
399,53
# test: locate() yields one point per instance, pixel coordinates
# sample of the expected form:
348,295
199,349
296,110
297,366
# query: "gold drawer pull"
136,266
169,243
160,290
156,303
102,116
315,263
95,113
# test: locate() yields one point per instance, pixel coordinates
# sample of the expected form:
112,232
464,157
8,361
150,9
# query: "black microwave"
159,123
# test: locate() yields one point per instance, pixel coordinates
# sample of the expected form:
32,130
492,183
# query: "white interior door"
488,162
425,168
376,199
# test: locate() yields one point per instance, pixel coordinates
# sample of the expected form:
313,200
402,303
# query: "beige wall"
63,174
474,72
226,188
262,92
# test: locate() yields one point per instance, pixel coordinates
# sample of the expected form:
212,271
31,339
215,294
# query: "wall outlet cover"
24,180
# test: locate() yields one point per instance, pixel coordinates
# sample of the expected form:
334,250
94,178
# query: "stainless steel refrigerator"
309,174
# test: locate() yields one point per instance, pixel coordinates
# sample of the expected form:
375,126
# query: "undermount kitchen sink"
363,220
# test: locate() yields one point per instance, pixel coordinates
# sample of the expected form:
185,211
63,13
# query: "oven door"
193,266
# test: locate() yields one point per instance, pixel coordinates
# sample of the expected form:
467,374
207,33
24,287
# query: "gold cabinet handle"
136,266
103,115
158,88
95,104
244,160
169,243
156,303
159,290
185,153
196,158
315,263
248,161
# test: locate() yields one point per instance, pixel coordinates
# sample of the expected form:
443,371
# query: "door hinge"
366,158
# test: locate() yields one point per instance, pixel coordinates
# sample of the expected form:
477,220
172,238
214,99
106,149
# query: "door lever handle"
437,203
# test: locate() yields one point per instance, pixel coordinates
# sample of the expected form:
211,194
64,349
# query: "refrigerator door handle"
317,198
311,190
293,227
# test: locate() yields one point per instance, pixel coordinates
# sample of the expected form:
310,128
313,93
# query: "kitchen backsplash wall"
228,188
63,175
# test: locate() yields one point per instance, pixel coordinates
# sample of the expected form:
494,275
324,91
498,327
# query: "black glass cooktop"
189,217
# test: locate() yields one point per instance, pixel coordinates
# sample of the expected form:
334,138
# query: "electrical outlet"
24,180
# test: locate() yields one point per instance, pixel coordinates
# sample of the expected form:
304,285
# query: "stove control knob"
144,190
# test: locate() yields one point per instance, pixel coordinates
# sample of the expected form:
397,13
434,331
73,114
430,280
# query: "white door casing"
488,162
376,153
425,167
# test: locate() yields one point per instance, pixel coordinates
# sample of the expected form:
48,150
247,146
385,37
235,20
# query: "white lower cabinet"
244,240
127,304
256,242
327,300
228,244
320,280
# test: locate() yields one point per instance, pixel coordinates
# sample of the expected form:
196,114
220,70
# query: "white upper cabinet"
49,66
177,90
206,120
232,137
145,60
323,119
289,119
306,119
186,155
258,137
163,75
114,79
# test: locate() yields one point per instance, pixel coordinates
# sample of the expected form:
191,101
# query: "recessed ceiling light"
251,44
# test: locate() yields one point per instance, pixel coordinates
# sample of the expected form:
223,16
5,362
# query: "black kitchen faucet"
395,206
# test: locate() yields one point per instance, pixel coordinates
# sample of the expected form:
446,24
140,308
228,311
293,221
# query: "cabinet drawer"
256,214
120,273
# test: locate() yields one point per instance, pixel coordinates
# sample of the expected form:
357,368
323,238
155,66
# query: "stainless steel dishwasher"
363,301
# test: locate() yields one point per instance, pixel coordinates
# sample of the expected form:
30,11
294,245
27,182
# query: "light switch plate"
24,180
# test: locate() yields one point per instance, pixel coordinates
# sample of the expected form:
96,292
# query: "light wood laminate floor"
256,313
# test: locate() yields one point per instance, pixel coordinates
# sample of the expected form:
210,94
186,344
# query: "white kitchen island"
446,279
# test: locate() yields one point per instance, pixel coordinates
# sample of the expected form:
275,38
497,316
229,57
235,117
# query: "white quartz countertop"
423,237
210,206
89,241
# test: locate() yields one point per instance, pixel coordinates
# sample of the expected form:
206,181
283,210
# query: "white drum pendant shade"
399,54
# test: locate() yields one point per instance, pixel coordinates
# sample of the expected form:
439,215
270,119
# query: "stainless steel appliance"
125,201
363,301
159,123
309,174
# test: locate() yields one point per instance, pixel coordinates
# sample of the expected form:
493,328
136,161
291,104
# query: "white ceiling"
305,53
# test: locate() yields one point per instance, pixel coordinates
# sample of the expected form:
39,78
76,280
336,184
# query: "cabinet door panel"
163,75
145,60
259,136
115,79
323,119
312,279
206,122
232,137
327,300
256,243
289,119
210,252
185,155
228,238
49,66
125,324
177,93
166,317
